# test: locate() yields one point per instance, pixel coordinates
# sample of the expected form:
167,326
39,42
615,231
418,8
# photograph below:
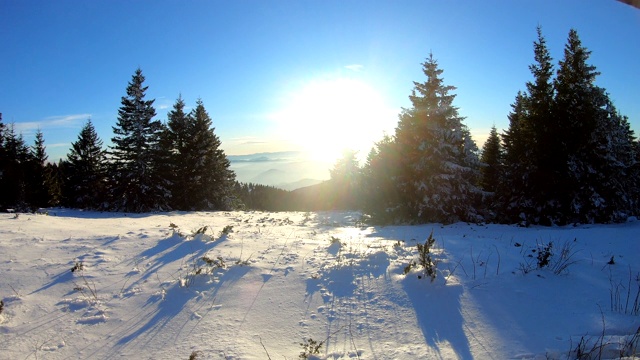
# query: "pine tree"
15,166
54,183
546,190
600,148
600,145
176,141
513,198
440,165
2,130
346,182
4,164
212,179
137,184
569,154
200,171
492,162
86,170
381,197
533,187
37,190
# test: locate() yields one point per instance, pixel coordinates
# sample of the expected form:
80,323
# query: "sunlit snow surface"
279,279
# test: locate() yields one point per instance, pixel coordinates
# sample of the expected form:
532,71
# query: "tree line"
151,166
567,156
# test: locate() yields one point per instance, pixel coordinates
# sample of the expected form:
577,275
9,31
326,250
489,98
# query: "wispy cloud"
162,103
58,145
65,121
253,142
355,67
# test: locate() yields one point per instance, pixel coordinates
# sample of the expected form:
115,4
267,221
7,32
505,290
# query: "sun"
327,116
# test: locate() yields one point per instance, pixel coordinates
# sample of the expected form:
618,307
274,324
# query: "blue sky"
292,75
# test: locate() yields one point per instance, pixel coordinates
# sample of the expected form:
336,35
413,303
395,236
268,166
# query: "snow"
275,280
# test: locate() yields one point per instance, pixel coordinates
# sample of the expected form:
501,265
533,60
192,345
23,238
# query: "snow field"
277,280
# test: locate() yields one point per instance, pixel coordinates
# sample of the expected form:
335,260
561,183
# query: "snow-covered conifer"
439,160
137,184
86,170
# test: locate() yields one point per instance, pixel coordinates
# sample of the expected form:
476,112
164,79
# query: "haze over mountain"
287,170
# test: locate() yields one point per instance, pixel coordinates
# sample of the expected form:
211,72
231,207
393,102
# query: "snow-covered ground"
146,286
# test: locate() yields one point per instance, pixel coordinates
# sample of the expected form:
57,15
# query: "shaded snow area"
254,285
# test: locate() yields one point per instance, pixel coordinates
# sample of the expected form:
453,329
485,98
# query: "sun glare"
327,117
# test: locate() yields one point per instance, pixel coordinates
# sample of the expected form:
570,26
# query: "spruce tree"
201,178
546,178
569,155
598,141
86,170
211,178
4,164
15,170
439,162
37,191
54,183
137,184
513,198
176,141
381,197
534,181
492,162
346,182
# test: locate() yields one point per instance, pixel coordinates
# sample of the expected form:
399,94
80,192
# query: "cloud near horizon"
355,67
64,121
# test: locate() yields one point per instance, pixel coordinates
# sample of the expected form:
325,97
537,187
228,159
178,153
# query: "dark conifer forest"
567,156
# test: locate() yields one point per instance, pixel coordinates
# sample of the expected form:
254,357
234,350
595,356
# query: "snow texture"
151,286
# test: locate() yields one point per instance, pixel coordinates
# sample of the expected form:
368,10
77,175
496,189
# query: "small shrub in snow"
214,264
306,218
245,262
607,347
174,230
545,258
202,266
625,299
310,347
334,240
425,260
544,254
565,258
227,230
200,231
78,266
194,355
91,288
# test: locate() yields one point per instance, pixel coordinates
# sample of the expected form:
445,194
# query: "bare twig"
265,349
14,290
498,268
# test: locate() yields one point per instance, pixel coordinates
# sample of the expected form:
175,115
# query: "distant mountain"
268,156
281,179
288,170
299,184
269,177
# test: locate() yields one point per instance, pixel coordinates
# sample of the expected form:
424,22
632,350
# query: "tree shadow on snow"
337,218
340,280
172,249
438,309
63,277
173,303
96,214
406,233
